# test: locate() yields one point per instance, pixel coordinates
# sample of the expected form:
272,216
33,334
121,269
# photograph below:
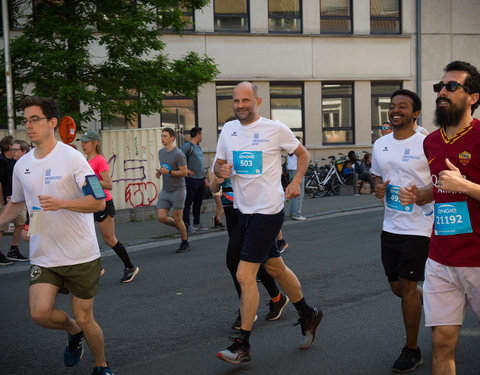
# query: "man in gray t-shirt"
195,180
173,168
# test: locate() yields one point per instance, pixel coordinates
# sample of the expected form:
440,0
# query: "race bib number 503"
247,162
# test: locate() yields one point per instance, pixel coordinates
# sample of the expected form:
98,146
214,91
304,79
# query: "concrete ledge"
150,212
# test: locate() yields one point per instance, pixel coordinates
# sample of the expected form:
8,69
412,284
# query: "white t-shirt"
403,162
292,162
67,237
420,129
255,151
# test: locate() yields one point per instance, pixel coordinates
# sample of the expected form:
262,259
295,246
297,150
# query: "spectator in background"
7,162
295,208
20,148
350,176
362,175
386,128
195,180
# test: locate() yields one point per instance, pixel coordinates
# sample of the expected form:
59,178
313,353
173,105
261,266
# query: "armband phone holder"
93,187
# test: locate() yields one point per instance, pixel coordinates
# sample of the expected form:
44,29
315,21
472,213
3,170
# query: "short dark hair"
473,77
24,146
417,103
170,131
5,143
48,105
196,130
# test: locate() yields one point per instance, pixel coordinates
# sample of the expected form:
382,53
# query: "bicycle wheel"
335,185
322,190
311,187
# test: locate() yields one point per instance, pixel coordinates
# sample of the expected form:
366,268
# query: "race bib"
36,221
247,162
452,218
393,201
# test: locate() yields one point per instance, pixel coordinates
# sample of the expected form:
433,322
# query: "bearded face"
448,113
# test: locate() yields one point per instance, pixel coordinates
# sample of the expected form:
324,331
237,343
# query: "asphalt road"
177,313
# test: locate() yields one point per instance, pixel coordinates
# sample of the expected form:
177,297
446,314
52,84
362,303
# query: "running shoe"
282,245
129,274
238,323
236,353
74,350
217,223
299,218
102,370
4,261
16,256
192,229
200,226
276,308
309,327
408,361
184,247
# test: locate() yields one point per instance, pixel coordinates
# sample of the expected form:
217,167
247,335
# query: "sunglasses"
451,86
385,127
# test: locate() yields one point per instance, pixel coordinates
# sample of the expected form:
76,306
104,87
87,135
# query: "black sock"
244,336
184,242
304,311
122,253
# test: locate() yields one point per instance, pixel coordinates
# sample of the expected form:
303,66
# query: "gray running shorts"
169,199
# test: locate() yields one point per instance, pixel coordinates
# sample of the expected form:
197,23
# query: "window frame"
223,97
352,112
181,132
278,16
375,129
382,18
337,18
284,96
231,16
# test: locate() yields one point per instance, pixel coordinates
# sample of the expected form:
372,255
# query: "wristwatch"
169,171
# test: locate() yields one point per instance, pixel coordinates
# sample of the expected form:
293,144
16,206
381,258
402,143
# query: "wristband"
170,172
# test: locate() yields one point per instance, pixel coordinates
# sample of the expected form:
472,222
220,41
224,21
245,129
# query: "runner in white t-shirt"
249,152
398,161
63,247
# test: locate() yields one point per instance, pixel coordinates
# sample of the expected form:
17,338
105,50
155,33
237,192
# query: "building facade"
326,68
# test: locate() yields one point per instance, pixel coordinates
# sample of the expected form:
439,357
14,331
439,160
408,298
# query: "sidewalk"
151,233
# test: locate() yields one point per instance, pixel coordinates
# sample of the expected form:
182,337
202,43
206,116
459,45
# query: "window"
381,92
178,113
284,16
187,16
286,105
337,110
335,16
231,15
224,104
385,17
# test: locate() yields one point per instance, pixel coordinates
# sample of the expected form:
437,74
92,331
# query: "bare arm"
106,181
11,211
214,183
85,204
380,186
303,156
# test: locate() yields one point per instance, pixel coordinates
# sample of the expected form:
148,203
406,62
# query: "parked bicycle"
319,184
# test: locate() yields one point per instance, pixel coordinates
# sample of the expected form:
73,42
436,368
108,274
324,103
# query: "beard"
449,116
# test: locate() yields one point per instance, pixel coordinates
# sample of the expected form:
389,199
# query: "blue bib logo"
393,201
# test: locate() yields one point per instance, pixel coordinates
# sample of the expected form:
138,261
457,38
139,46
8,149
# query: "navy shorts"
260,236
404,256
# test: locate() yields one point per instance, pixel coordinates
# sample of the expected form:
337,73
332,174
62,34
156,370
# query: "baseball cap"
90,135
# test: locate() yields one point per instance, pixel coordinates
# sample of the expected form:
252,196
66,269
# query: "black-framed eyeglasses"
450,86
33,120
15,149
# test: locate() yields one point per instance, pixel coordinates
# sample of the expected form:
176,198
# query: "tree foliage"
103,56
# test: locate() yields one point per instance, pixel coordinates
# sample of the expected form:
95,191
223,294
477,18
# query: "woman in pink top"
91,147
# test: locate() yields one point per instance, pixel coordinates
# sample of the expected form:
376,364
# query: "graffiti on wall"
139,192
